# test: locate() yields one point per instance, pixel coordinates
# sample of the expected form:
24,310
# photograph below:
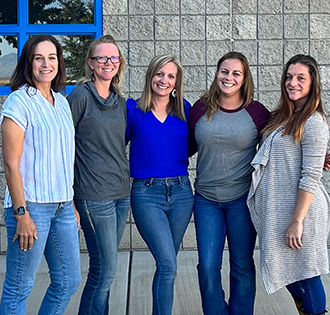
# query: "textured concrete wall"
199,32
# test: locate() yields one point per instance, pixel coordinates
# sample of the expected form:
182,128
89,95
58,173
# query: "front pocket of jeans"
141,186
185,183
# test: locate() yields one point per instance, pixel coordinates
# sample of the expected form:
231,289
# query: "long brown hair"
23,71
211,98
176,106
286,114
118,78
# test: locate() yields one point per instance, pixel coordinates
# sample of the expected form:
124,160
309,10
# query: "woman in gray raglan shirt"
101,183
225,125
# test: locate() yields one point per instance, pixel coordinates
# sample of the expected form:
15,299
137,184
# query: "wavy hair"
211,98
118,78
286,114
176,106
23,72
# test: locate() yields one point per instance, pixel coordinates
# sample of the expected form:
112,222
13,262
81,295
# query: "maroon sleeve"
196,112
259,114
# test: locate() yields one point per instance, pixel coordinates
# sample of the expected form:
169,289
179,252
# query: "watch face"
20,210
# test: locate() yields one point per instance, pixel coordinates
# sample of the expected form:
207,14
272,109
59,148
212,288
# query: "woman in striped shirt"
289,205
38,155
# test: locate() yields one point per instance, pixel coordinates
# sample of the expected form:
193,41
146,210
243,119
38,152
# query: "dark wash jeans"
312,292
214,221
103,223
162,209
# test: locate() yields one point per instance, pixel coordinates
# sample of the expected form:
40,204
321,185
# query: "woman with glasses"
101,185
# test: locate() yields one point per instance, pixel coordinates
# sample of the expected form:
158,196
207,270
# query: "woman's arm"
294,232
326,166
196,112
313,148
12,147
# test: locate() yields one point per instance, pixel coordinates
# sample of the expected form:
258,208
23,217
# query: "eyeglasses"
104,59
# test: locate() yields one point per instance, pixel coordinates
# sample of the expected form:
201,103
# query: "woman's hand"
293,236
26,231
77,215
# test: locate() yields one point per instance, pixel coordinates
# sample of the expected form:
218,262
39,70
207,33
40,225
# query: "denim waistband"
166,180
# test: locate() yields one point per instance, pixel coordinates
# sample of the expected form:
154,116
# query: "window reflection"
8,58
8,12
61,12
74,49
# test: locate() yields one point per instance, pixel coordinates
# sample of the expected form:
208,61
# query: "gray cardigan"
101,167
281,168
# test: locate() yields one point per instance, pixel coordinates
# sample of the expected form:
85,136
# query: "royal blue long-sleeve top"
157,149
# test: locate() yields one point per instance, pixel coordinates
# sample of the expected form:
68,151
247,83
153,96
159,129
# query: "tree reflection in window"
8,12
61,11
8,15
75,49
55,12
8,60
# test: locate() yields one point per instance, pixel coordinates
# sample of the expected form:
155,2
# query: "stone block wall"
199,32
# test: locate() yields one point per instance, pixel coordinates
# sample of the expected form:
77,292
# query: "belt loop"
180,180
150,181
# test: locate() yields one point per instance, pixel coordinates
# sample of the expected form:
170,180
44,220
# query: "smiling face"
298,83
230,77
104,71
44,64
163,83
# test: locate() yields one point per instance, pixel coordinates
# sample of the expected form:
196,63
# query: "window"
23,18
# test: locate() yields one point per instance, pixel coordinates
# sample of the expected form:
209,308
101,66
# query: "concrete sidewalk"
131,290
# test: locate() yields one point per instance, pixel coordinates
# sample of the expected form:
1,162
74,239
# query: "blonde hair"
286,114
176,106
117,79
211,98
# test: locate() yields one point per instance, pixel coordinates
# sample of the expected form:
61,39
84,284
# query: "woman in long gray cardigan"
288,203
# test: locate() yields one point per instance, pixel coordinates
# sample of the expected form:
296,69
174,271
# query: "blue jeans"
214,221
312,292
103,223
162,208
58,241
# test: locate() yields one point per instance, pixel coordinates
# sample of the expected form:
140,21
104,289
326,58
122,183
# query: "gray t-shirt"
101,167
226,146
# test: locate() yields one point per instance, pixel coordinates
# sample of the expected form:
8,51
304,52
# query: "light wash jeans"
162,208
58,241
214,221
103,223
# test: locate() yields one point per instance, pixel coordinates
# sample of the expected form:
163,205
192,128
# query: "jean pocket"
185,183
141,185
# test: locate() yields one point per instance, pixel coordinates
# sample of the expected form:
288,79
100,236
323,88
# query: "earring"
174,93
116,79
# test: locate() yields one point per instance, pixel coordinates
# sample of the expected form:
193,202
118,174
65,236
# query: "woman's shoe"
300,306
302,312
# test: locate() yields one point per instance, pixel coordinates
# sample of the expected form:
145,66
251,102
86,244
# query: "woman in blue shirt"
161,196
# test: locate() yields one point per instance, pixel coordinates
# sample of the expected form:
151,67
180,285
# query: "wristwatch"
20,210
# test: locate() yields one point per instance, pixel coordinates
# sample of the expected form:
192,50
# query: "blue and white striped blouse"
48,150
